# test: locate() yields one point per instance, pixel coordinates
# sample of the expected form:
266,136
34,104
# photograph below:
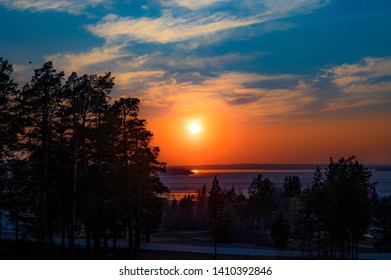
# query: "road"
221,250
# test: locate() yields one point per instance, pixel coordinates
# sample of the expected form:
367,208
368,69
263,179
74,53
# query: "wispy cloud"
166,29
233,91
246,91
192,4
290,6
173,27
282,6
356,85
180,62
80,62
274,97
366,72
135,82
70,6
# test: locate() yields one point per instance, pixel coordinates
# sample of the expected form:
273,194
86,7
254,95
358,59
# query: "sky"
226,81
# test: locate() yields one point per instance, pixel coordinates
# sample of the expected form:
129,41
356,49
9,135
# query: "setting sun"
194,127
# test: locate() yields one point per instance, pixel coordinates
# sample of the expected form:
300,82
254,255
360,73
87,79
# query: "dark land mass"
186,170
383,168
26,250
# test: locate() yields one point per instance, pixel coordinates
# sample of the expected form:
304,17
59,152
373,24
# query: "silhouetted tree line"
326,219
76,162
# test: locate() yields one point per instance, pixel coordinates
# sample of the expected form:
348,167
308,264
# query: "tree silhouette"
382,225
313,212
219,220
8,128
348,205
261,198
85,102
77,160
337,208
8,125
140,169
292,186
280,232
39,102
201,208
291,205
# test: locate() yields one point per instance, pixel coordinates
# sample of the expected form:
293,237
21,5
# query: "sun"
194,127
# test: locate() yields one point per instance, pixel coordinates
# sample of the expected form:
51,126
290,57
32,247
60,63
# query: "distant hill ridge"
186,169
276,166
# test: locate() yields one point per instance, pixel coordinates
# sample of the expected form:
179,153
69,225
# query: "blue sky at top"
313,35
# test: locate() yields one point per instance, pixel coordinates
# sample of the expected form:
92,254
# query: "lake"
240,179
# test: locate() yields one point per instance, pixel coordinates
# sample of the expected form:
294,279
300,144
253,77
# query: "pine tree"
201,208
382,225
8,125
8,121
219,220
85,103
280,232
140,166
261,199
314,204
347,210
39,102
292,186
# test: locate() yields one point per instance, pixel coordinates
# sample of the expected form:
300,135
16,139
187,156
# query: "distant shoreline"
187,169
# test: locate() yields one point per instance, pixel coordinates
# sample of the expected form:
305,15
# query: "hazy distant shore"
187,169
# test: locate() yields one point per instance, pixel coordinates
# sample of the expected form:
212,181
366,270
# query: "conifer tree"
347,210
219,220
39,102
261,199
8,124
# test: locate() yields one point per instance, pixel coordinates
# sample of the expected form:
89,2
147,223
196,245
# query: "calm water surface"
241,179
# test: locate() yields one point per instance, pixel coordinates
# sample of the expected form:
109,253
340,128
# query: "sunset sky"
226,81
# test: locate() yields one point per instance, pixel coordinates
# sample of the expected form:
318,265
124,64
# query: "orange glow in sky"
236,137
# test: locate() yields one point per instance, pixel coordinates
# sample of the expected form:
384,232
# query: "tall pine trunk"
73,202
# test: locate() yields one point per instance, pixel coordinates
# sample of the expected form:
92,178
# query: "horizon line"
270,164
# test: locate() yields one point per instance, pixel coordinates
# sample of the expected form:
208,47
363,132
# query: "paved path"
221,250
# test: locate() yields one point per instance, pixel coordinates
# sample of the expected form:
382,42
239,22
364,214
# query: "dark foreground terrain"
25,250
